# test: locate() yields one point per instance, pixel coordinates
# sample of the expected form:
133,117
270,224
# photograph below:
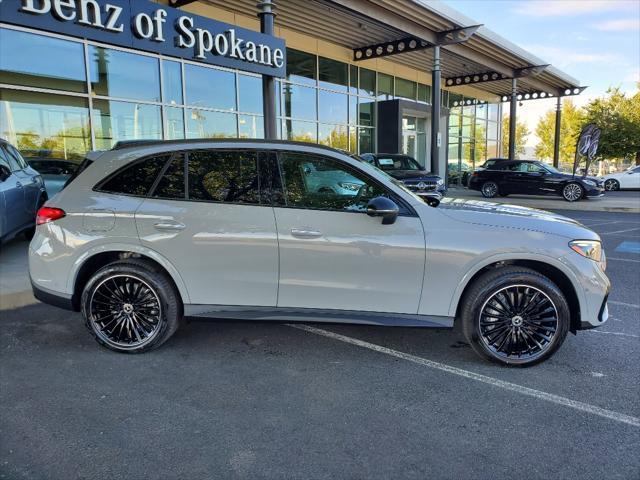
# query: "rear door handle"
19,184
305,233
168,225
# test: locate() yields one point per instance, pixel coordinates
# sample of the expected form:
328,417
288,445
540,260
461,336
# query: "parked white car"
630,178
148,234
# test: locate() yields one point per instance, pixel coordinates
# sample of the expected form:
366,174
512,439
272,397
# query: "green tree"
522,132
572,121
618,117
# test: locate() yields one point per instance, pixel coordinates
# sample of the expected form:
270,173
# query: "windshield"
550,168
398,163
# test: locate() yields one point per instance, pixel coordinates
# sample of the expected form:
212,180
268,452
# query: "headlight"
590,182
354,187
591,249
440,182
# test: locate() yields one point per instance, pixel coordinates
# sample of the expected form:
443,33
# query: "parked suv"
408,171
530,177
148,234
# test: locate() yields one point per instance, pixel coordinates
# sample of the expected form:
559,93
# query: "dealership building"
389,76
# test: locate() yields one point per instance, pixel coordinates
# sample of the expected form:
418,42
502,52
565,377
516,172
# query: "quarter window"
224,176
322,183
172,183
136,179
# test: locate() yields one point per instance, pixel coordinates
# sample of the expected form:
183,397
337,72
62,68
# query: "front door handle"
305,233
19,184
167,225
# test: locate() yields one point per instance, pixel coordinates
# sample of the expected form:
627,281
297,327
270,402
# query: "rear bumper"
56,299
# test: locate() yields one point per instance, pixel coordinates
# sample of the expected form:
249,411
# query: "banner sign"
152,27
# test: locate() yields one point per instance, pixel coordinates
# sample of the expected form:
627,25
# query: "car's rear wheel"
131,307
612,184
489,189
515,316
572,192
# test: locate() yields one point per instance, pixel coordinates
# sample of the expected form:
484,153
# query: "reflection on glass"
175,123
333,74
353,109
367,110
251,126
299,102
366,138
332,106
39,61
172,82
353,79
250,93
481,111
208,87
300,131
120,74
493,111
207,124
115,121
44,125
405,89
424,93
492,130
367,82
385,86
492,149
335,136
301,67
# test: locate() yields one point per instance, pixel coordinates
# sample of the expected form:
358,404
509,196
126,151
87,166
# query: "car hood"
578,177
412,174
514,217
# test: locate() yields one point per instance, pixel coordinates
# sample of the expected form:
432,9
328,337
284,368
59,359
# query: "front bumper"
592,192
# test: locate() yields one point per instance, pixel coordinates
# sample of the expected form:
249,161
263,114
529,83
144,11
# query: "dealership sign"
148,26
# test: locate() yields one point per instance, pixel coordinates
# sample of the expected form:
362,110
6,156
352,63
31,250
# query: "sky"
594,41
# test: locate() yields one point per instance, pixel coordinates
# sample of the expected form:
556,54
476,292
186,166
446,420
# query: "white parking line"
602,223
623,304
531,392
623,259
620,231
614,333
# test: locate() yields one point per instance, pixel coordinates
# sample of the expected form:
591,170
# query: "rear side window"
171,184
224,176
136,179
81,168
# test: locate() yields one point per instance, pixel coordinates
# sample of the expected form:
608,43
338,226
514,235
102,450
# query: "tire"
531,335
489,189
119,290
572,192
611,185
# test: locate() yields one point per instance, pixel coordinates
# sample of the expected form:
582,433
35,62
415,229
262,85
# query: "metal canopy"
354,23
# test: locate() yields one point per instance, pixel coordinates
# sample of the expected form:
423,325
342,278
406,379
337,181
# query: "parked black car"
492,161
530,177
408,170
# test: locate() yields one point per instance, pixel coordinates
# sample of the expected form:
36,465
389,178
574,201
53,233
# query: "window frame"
405,209
98,187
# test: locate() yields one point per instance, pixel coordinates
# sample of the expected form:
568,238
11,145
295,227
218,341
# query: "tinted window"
136,179
15,155
224,176
171,185
333,74
315,182
270,182
636,170
301,66
3,159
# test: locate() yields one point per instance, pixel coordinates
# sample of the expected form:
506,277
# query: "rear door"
207,217
28,178
332,254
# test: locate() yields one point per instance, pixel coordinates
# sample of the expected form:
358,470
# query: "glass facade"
82,96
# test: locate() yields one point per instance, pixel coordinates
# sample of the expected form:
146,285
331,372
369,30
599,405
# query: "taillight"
49,214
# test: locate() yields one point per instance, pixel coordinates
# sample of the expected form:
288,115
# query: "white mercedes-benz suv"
149,233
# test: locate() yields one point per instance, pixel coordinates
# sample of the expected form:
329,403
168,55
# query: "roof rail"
120,145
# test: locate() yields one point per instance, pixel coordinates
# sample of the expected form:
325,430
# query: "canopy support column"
556,136
267,20
512,119
435,111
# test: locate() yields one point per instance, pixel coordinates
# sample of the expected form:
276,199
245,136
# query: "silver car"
22,192
150,233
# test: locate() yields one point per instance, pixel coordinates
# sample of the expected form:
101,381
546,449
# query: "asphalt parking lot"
267,400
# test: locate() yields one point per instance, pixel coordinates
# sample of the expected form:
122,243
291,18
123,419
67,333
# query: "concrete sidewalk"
627,201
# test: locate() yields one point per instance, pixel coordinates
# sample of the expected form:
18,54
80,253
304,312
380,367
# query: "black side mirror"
4,173
432,198
383,207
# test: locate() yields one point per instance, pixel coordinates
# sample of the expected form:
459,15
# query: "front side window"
321,183
229,176
136,179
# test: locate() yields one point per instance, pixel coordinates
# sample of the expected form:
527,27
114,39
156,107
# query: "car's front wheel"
489,189
131,307
612,184
515,316
572,192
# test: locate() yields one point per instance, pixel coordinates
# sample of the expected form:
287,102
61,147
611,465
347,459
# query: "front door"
14,215
332,254
215,227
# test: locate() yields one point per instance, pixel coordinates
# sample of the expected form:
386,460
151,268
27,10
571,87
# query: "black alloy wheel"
612,185
129,306
489,189
514,316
